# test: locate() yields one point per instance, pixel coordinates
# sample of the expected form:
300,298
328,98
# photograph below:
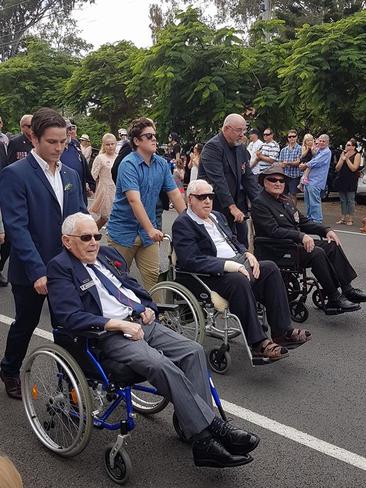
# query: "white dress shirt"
55,180
111,307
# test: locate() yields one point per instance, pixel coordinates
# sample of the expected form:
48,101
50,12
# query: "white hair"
231,119
194,185
68,227
21,122
324,136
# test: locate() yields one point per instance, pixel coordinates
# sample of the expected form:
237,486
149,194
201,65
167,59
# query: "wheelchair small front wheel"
219,360
122,469
299,312
178,429
318,299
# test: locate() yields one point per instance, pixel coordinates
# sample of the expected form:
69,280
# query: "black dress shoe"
12,386
355,295
3,280
209,452
235,440
340,305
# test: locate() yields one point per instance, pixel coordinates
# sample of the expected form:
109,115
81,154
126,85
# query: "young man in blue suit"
37,193
89,288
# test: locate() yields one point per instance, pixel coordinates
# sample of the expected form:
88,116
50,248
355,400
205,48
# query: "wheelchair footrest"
332,311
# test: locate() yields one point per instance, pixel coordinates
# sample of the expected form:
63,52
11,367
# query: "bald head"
233,129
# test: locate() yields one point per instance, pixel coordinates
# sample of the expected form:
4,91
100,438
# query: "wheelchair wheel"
218,360
318,299
178,429
299,312
147,403
57,401
122,469
292,286
188,318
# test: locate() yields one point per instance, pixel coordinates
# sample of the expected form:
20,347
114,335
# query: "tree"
16,18
98,86
33,79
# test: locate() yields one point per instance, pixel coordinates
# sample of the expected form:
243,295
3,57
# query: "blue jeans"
313,203
347,202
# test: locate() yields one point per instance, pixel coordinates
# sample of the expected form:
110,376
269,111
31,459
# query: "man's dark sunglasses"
148,135
272,179
87,237
267,133
292,135
204,196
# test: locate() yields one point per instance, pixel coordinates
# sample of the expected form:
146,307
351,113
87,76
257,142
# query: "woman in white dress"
195,159
101,172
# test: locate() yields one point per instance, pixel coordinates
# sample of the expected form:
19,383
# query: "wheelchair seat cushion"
219,302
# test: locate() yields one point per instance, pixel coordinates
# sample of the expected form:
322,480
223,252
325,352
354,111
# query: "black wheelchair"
201,311
285,253
68,389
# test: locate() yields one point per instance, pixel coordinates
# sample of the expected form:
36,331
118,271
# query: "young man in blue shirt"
132,225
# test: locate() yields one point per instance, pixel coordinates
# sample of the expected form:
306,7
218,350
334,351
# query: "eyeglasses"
291,136
272,179
87,237
148,135
267,133
203,196
238,130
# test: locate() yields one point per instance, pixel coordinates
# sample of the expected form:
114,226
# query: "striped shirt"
270,150
290,154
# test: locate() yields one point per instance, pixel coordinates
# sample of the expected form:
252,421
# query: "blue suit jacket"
195,250
76,308
32,216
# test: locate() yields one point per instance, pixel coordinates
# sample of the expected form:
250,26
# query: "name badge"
297,217
87,285
281,215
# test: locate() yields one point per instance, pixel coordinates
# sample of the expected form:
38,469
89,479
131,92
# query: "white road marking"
295,435
349,232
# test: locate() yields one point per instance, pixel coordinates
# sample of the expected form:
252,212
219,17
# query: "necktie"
116,292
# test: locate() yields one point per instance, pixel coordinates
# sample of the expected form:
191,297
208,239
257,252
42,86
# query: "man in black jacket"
225,165
274,215
20,146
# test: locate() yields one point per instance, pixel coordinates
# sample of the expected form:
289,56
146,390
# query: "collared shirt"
111,307
270,150
55,180
223,249
319,165
253,147
148,180
291,154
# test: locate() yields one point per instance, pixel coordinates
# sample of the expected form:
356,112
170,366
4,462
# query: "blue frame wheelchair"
67,391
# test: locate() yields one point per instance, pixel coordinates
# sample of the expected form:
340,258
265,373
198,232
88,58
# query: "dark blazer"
76,309
227,170
3,157
195,249
32,216
280,219
18,148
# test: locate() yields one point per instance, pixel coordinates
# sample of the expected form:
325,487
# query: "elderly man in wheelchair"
90,290
204,243
280,229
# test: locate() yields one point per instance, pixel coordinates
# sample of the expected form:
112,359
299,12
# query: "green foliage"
98,86
31,80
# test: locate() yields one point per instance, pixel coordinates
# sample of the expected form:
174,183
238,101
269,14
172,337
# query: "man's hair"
69,224
136,128
194,185
324,136
21,122
230,119
292,131
269,129
45,118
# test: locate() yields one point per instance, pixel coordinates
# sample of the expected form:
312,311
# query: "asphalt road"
319,391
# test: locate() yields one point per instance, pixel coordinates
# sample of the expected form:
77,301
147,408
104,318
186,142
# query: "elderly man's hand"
2,238
236,213
254,264
41,285
148,316
131,330
332,236
308,243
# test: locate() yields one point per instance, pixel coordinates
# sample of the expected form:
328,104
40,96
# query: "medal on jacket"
297,217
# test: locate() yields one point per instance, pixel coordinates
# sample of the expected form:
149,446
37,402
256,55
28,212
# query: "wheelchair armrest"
88,334
167,307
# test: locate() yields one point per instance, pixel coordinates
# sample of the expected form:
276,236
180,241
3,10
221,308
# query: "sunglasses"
87,237
148,135
267,133
292,136
204,196
272,179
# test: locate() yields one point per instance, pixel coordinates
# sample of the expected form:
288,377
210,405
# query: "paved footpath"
308,409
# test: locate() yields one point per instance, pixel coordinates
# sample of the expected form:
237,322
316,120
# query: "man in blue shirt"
319,167
289,160
132,223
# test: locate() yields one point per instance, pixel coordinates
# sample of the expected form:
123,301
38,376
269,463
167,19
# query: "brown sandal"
294,336
270,350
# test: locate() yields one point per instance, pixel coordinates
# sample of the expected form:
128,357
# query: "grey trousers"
175,365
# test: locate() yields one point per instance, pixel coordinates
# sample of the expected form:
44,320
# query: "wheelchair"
67,391
284,252
201,311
